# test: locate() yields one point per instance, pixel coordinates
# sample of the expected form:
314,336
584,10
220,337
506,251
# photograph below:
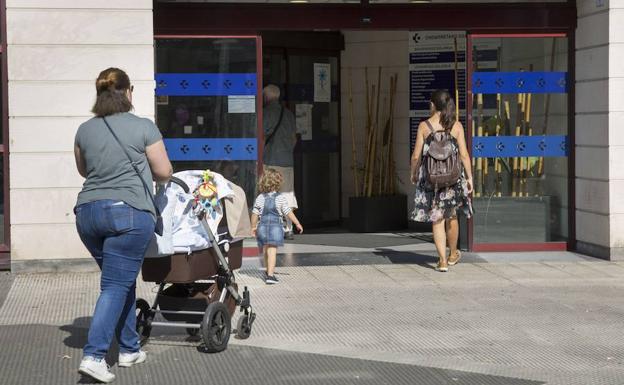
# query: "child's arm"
254,223
295,221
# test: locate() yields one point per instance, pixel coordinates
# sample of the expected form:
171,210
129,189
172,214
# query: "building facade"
52,52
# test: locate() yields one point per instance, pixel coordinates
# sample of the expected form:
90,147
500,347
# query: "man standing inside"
280,138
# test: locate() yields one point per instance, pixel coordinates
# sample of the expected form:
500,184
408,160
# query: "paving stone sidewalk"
537,321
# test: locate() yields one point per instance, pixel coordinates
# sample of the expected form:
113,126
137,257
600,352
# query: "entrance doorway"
292,63
317,164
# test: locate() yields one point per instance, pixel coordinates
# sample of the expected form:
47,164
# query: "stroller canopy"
179,204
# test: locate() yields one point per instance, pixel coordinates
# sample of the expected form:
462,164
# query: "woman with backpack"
442,173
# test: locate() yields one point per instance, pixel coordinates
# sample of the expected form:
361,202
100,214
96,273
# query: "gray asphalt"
549,318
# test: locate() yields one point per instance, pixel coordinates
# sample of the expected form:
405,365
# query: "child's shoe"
270,280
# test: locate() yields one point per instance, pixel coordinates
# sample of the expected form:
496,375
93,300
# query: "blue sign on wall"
205,84
519,82
194,149
520,146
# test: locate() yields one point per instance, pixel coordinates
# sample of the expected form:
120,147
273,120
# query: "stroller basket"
195,297
202,294
187,268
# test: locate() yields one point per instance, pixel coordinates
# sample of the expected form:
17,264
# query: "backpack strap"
430,127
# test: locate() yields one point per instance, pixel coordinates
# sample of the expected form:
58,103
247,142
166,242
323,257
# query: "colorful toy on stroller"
205,219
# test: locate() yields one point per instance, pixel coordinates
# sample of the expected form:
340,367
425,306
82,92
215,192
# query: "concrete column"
598,180
55,51
616,128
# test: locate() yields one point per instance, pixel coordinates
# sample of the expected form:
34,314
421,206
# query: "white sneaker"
96,368
126,360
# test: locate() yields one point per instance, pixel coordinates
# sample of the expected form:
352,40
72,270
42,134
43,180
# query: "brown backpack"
442,162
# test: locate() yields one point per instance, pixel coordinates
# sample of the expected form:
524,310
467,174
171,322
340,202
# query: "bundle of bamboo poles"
378,170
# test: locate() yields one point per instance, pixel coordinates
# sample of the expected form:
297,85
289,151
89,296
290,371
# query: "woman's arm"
80,163
159,162
417,153
463,154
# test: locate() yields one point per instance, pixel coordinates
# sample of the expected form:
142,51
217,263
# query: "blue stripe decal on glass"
208,84
519,146
212,148
519,82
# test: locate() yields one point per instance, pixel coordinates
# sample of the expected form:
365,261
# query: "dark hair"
111,87
443,102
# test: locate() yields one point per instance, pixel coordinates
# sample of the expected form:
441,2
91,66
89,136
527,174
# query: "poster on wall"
322,82
303,120
434,57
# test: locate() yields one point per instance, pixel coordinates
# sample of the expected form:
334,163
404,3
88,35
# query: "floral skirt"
433,206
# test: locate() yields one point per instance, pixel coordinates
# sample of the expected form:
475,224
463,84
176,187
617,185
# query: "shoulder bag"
159,221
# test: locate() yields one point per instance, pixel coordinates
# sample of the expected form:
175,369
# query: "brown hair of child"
271,180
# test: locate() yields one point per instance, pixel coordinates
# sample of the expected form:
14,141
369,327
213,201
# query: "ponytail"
443,103
111,87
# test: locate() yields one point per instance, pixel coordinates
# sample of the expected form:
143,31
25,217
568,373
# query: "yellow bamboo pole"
353,149
497,162
516,161
507,130
456,82
479,169
528,132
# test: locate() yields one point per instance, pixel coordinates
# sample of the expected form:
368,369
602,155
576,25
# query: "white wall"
615,119
593,131
373,49
55,50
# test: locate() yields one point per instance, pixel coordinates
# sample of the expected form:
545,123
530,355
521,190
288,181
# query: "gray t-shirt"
109,173
279,150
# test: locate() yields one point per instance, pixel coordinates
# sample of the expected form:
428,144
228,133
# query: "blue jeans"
117,236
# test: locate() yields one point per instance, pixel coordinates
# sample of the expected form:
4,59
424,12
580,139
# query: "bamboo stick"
353,149
540,165
374,138
391,150
516,164
479,169
507,131
389,138
456,82
528,132
497,161
383,145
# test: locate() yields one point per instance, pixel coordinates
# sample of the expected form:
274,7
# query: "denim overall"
270,229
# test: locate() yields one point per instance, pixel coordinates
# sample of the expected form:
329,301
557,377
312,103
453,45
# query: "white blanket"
182,230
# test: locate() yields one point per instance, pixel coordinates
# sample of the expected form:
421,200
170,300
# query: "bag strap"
279,121
136,169
430,126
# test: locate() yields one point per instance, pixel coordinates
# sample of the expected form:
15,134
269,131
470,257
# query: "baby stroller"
205,219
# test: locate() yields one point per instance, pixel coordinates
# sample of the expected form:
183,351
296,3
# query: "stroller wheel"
144,320
243,328
216,327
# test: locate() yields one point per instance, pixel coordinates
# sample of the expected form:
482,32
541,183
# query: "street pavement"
380,316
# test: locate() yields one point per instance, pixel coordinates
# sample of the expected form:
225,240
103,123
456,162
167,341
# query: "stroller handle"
180,183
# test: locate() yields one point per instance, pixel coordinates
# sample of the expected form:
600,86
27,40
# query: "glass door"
518,129
317,153
209,105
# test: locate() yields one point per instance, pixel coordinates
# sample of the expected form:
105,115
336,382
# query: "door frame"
531,246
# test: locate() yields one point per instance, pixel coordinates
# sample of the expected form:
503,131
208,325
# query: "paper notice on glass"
241,104
303,119
322,82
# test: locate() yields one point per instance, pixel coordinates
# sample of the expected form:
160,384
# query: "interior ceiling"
356,1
